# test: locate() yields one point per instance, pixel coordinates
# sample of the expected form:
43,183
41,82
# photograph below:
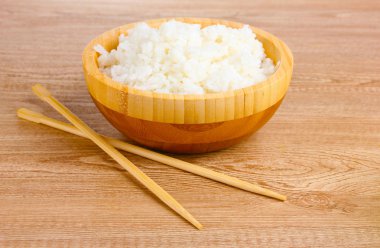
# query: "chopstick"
179,164
46,96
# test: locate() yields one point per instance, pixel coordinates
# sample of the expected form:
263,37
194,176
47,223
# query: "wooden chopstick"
46,96
179,164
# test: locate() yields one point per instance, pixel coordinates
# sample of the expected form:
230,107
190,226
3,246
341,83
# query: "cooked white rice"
186,59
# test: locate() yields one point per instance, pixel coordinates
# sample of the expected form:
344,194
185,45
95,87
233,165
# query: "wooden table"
322,148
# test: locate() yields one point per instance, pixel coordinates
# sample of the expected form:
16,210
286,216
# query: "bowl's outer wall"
190,123
187,138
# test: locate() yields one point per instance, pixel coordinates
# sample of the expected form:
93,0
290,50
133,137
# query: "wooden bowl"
188,123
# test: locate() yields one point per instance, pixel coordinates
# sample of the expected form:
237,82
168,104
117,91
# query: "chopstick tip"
40,91
21,111
199,226
28,115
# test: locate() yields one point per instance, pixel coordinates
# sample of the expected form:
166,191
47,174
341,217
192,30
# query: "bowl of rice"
187,85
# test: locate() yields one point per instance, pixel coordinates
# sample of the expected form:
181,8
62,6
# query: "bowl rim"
90,65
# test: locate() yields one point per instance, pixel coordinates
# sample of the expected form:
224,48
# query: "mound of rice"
184,58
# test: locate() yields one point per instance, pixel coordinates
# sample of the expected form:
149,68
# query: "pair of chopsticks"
109,144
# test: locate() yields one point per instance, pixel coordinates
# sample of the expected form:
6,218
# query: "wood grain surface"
322,147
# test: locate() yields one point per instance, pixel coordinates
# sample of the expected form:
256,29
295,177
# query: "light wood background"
322,148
